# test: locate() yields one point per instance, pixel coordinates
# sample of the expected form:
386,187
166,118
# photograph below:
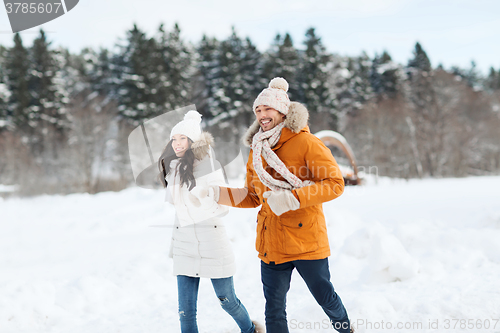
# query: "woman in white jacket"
200,246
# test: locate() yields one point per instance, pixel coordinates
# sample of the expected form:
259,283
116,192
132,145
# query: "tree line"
65,117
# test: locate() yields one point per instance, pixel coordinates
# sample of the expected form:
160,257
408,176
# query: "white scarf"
261,146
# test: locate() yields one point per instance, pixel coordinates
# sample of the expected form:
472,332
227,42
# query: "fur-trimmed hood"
295,120
201,147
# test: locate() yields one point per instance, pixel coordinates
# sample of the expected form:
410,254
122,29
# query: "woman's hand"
207,196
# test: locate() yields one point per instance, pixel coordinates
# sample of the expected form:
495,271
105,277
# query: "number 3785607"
26,7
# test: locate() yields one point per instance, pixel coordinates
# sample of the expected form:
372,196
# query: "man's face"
268,117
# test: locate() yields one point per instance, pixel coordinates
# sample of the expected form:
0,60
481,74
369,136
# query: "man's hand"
281,201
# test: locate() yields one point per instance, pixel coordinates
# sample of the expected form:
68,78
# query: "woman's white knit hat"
189,127
275,96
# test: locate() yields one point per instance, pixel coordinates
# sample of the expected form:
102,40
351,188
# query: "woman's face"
180,143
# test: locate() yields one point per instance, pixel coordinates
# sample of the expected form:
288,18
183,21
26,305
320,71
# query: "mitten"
281,201
214,191
207,196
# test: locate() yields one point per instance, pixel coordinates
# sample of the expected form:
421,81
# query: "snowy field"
422,255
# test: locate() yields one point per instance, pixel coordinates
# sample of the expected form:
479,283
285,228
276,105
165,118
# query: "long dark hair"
185,167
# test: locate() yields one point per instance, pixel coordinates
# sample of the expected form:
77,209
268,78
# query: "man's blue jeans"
316,274
224,289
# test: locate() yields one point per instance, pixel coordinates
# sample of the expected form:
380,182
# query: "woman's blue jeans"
224,289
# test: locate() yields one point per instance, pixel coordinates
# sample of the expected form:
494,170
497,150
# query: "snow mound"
386,258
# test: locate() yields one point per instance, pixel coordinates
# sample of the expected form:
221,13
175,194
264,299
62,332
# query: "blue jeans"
224,289
316,274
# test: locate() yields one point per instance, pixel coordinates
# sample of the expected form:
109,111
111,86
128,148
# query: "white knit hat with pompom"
275,96
189,127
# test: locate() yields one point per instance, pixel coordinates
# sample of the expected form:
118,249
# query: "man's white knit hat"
189,127
275,96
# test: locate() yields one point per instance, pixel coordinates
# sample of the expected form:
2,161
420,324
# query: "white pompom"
279,83
192,116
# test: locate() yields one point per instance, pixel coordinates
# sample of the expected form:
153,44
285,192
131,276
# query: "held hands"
214,192
281,201
206,196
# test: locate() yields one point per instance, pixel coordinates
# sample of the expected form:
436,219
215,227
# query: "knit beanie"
189,127
275,96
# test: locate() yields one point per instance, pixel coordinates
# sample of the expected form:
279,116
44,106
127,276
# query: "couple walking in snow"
290,173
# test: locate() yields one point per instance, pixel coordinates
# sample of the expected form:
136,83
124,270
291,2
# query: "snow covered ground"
422,255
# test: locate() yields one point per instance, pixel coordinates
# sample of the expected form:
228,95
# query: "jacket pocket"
261,228
300,233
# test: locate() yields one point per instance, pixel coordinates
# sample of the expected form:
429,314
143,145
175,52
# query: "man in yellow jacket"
290,172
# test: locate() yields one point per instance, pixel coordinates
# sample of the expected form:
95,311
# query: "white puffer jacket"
200,246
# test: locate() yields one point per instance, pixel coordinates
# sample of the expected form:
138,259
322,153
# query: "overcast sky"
453,32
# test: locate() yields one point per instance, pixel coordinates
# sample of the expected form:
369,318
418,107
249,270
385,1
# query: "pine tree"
473,76
152,74
384,76
173,71
427,116
492,82
95,69
253,82
349,83
17,69
237,80
313,77
282,60
419,73
497,84
67,79
207,67
132,70
420,60
228,83
48,96
4,89
102,77
46,103
271,58
360,85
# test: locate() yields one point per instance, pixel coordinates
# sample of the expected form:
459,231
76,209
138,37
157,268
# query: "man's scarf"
262,143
